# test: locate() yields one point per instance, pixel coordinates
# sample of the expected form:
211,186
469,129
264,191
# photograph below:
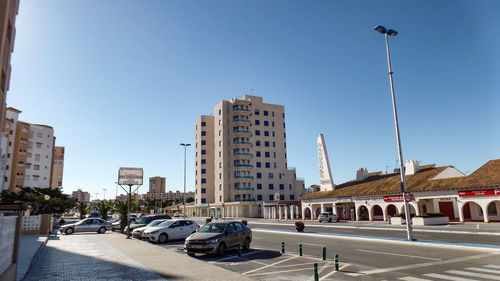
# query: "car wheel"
101,230
191,254
221,251
69,230
246,245
338,219
162,238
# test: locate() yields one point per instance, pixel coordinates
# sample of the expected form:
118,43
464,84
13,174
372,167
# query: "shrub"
207,220
299,226
428,215
244,222
403,215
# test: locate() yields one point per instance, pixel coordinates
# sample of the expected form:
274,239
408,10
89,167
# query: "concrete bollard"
336,260
316,275
324,253
300,250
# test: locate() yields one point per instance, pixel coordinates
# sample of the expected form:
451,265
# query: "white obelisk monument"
325,173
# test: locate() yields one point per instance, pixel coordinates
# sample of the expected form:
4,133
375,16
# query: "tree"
103,207
83,208
189,199
41,200
121,207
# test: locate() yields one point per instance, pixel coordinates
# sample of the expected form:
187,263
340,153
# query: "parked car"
86,225
116,225
170,230
137,233
94,214
142,221
217,238
329,217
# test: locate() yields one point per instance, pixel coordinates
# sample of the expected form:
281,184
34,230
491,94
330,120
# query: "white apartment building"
241,160
29,153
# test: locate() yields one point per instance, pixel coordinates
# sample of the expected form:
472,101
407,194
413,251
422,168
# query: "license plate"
196,246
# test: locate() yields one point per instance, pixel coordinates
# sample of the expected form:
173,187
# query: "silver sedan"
86,225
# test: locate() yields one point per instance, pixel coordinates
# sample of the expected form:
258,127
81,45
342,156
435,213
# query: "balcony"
243,155
243,188
241,122
243,177
242,144
245,200
243,165
241,111
242,133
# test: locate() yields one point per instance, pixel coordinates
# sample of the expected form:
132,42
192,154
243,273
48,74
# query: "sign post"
130,177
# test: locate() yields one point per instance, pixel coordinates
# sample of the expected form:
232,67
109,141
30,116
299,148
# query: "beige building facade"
8,13
57,167
241,159
82,196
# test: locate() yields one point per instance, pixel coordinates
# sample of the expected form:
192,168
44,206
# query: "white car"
137,233
170,230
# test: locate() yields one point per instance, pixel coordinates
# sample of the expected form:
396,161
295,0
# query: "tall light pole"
104,190
184,196
388,33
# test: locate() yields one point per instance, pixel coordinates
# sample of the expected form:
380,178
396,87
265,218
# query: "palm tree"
83,208
121,207
103,207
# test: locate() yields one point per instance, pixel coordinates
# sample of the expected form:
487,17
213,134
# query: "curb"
35,257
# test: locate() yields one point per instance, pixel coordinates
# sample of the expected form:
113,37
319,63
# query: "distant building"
124,197
168,195
157,184
29,153
57,166
81,196
8,13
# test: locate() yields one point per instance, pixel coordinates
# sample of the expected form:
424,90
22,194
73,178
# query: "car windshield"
166,223
155,222
213,227
141,220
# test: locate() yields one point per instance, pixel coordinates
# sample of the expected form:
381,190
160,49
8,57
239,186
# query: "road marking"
418,265
230,257
402,255
409,278
319,271
269,265
309,244
447,277
492,266
484,270
474,274
281,271
333,272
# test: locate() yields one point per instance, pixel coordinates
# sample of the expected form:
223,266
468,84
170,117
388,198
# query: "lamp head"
392,32
381,29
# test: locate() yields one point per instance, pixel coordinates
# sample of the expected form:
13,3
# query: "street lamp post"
388,33
184,195
104,190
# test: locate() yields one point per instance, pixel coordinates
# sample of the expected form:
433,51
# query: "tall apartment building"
8,13
241,159
29,153
57,167
157,184
81,196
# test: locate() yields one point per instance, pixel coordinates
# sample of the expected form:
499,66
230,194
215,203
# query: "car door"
83,226
174,230
240,234
231,236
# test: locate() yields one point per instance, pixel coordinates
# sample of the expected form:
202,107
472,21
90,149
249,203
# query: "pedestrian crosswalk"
486,272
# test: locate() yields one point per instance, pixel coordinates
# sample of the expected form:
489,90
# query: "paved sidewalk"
30,247
110,256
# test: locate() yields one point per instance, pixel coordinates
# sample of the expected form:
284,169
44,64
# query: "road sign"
407,196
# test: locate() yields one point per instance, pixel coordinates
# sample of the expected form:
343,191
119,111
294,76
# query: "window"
266,123
257,132
292,197
282,186
271,186
257,154
203,171
203,142
38,145
203,180
259,186
274,144
203,190
282,197
203,124
203,133
267,154
220,164
203,152
220,132
273,134
283,125
256,112
203,200
257,164
203,161
220,186
259,197
220,153
492,209
220,143
268,165
270,175
266,144
266,113
220,198
257,143
257,122
36,167
266,133
271,197
220,111
273,124
259,175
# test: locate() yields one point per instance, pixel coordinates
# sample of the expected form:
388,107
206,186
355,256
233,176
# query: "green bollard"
316,275
336,260
300,250
239,250
324,253
282,247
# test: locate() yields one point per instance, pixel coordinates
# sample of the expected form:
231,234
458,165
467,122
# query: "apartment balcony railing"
243,154
242,142
243,177
243,188
244,200
243,165
241,120
242,131
240,109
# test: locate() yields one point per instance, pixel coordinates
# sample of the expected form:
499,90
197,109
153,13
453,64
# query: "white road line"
409,278
281,271
474,274
309,244
492,266
418,265
273,264
230,257
319,271
484,270
333,271
402,255
447,277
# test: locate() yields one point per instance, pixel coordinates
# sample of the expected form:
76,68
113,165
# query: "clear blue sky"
122,82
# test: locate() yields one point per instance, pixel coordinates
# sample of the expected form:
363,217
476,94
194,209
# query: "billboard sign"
130,176
399,198
482,192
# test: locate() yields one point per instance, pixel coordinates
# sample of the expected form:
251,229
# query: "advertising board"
130,176
480,192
